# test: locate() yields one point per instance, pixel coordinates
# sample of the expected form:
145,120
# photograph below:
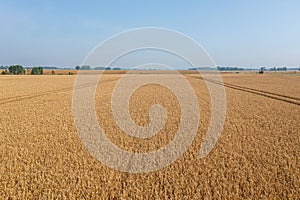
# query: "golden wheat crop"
256,156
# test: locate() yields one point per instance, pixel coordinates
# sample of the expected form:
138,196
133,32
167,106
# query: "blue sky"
235,33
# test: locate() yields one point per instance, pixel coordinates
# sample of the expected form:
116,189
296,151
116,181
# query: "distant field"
256,157
74,72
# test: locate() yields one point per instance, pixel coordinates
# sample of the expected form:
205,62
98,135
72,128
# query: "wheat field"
256,156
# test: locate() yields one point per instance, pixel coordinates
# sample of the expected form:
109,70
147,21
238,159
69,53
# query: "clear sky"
235,33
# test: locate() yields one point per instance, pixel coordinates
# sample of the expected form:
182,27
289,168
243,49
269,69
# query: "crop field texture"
257,155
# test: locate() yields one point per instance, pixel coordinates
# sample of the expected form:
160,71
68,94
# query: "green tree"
16,69
5,72
37,71
77,67
53,72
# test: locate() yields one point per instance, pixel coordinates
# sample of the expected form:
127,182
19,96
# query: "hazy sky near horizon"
234,32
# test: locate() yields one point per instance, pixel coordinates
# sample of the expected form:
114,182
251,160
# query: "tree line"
87,67
19,69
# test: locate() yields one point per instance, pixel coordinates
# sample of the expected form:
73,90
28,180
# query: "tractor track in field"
30,96
271,95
